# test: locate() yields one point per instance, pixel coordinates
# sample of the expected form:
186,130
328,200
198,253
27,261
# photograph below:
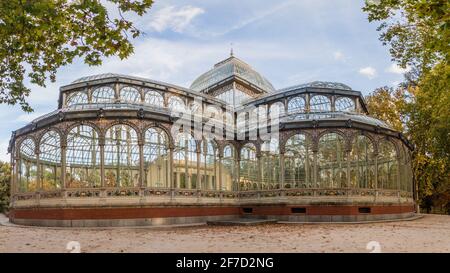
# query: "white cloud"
176,19
368,71
395,69
180,62
338,56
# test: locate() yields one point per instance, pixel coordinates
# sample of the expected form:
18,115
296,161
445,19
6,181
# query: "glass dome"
229,68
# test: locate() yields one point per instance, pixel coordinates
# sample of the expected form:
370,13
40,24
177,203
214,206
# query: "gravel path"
428,234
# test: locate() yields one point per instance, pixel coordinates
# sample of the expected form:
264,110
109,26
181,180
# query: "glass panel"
28,167
233,97
50,160
332,164
156,158
248,179
130,94
298,162
103,94
209,168
121,157
320,103
176,104
270,161
387,165
296,104
345,104
154,98
82,158
77,98
185,161
229,169
276,110
362,164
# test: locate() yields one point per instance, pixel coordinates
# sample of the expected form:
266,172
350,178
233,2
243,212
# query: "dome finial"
231,51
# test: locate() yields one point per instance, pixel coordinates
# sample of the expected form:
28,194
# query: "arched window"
276,110
344,104
104,94
362,164
154,98
130,94
319,103
229,179
387,165
185,161
298,162
196,107
270,159
209,165
296,105
50,160
156,158
77,98
248,172
176,104
28,171
331,163
121,157
82,158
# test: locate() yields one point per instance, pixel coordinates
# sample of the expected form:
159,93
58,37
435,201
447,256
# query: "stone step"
242,222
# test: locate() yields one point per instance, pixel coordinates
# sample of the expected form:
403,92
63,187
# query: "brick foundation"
125,216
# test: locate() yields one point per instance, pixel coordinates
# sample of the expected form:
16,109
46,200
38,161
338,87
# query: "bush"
5,177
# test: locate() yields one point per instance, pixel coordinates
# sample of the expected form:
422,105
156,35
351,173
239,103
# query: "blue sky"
289,42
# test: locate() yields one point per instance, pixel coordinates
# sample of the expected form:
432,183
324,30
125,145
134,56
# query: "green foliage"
429,129
5,177
418,33
38,37
384,103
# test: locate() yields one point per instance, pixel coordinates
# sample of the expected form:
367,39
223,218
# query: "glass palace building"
110,155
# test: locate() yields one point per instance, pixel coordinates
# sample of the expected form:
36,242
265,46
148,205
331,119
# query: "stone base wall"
200,214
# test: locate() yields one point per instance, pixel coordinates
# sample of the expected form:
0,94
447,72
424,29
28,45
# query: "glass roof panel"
228,68
336,116
318,84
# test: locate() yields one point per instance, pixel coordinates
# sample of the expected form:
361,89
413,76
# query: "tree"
422,114
418,32
38,37
5,177
384,103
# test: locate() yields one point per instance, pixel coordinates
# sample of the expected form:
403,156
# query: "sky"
289,42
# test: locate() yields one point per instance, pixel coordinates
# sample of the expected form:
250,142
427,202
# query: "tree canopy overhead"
38,37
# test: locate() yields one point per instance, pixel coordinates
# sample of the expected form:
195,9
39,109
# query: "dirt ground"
428,234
